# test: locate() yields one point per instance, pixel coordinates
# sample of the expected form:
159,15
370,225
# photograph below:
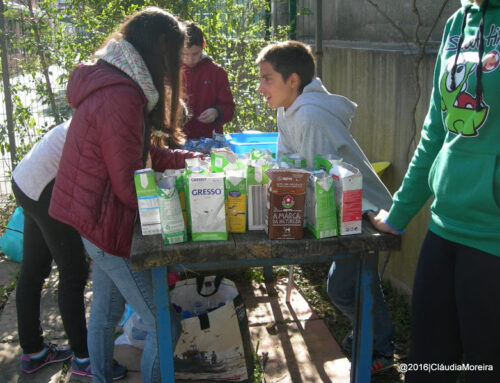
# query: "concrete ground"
294,343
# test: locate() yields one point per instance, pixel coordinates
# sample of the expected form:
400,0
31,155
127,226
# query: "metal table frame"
254,249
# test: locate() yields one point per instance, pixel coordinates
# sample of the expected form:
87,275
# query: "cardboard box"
348,184
147,200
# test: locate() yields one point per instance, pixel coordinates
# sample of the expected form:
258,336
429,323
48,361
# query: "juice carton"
236,200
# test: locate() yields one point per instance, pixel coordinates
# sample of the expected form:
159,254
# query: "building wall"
358,20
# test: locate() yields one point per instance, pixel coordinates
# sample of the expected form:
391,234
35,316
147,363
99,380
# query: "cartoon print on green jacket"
460,106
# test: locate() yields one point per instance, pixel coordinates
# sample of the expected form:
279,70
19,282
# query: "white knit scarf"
125,57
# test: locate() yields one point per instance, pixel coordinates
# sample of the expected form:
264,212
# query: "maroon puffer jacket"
94,190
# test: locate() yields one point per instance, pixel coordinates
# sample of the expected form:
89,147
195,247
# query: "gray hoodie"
318,123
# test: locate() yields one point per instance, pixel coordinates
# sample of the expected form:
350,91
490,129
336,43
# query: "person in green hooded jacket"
456,293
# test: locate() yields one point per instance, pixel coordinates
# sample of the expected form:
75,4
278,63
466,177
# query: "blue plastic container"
245,142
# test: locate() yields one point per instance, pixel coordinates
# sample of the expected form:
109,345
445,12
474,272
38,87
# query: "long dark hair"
159,37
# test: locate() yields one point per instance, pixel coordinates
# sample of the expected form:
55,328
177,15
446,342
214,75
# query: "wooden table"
253,249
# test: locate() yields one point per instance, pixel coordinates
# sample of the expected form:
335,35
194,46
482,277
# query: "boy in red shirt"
206,88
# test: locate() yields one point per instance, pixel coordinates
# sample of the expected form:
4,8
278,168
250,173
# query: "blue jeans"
341,289
113,284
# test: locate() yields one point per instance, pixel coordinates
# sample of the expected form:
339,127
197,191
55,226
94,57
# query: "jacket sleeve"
224,102
120,123
169,158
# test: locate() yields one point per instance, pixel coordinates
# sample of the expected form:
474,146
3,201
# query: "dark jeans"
342,278
46,239
455,311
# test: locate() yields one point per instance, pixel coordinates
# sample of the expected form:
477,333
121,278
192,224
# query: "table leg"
163,326
363,325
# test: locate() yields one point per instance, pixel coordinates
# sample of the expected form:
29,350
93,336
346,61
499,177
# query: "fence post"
6,87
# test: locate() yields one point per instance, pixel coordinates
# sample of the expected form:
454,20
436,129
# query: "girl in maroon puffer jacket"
119,100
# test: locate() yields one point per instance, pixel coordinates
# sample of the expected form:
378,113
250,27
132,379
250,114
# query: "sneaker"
53,354
83,369
381,363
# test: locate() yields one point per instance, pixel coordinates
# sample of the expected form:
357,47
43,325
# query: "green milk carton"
321,212
172,223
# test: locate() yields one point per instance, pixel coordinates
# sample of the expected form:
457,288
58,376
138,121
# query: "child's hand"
378,222
208,116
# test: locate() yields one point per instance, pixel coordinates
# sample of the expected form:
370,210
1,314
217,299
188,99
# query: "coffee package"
285,203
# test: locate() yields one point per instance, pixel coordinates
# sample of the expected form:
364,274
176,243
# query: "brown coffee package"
286,198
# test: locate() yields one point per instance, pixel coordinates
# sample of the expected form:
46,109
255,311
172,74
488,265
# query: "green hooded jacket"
457,160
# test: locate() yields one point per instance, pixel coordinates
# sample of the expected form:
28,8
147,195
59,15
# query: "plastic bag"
11,243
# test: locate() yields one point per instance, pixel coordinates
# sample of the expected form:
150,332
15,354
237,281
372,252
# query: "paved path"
295,343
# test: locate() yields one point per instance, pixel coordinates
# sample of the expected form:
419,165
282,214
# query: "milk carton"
257,193
295,160
147,201
321,212
236,200
325,162
348,184
222,158
207,208
172,223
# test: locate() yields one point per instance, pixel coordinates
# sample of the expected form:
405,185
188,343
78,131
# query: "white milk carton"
348,184
147,200
207,206
321,212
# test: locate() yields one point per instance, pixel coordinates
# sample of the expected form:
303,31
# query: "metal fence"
25,94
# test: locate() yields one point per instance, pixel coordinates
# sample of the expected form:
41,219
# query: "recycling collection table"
254,249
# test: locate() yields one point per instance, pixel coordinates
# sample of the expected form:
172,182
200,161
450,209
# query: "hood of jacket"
89,78
314,94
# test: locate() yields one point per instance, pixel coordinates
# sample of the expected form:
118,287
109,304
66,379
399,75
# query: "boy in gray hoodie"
312,121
